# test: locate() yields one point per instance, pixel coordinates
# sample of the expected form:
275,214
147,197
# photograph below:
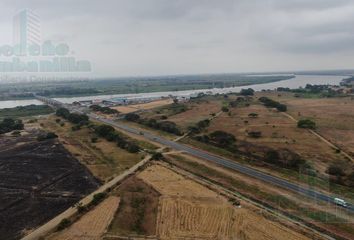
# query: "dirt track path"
321,138
52,224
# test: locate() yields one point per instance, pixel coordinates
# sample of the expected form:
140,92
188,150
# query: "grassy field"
25,111
104,159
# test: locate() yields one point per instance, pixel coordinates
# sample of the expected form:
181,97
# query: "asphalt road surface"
228,164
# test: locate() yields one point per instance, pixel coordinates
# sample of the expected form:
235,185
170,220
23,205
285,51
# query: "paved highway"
315,195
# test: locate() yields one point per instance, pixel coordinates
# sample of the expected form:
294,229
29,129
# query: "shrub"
63,224
247,92
335,170
133,117
306,123
225,109
46,136
63,112
222,138
255,134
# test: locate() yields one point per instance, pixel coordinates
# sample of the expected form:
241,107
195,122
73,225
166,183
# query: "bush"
133,117
225,109
335,170
63,224
46,136
9,124
63,112
105,110
97,198
253,115
247,92
222,138
255,134
306,123
78,118
157,156
132,148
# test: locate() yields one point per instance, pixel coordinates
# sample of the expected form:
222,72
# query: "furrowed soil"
38,180
188,210
92,225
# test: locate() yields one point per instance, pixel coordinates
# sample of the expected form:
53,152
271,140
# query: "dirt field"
188,210
143,106
137,210
38,180
92,225
333,116
278,132
103,158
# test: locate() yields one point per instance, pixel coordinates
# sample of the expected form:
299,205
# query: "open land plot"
39,180
143,106
334,117
321,215
278,132
137,210
92,225
104,159
189,210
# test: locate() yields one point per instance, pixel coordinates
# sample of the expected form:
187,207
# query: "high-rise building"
26,31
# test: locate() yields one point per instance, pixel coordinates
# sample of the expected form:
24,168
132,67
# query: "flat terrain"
93,224
39,180
103,158
189,210
143,106
333,116
137,211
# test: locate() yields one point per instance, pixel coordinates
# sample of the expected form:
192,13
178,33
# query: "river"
298,81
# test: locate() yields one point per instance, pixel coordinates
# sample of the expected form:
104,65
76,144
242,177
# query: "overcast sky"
158,37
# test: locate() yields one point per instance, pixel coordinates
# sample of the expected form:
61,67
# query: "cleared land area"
321,216
137,210
188,210
333,116
92,225
104,159
277,132
38,180
143,106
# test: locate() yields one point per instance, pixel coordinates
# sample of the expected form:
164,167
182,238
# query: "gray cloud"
149,37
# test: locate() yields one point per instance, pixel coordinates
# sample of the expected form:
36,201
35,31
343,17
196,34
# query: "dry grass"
189,210
278,132
92,225
143,106
333,116
104,159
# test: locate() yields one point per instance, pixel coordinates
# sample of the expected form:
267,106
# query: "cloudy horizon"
161,37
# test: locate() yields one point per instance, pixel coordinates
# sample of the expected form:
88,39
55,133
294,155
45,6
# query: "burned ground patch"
38,180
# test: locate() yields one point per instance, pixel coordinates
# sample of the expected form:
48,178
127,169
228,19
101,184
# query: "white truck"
340,202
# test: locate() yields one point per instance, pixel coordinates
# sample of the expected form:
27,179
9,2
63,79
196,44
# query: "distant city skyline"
158,37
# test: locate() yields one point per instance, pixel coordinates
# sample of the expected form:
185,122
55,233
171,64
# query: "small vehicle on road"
340,202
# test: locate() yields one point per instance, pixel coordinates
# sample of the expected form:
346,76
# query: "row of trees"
105,110
218,138
166,126
274,104
9,125
110,134
75,118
